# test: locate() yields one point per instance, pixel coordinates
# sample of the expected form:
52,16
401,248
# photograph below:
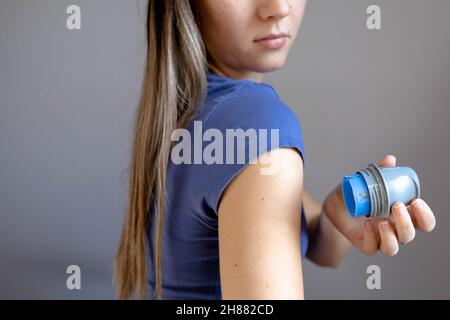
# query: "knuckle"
429,227
370,252
432,223
407,236
390,252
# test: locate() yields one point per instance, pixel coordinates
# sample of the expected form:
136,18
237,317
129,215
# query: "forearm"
327,246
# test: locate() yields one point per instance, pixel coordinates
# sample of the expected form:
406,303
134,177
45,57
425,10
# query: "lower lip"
274,43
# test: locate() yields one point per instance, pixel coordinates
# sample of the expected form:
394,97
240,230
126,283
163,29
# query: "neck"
236,74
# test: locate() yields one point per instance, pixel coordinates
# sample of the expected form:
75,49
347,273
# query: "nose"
274,9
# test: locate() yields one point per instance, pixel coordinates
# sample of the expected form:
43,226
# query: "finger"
370,243
389,244
423,215
413,219
403,223
389,160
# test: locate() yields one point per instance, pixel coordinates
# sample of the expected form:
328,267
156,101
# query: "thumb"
389,160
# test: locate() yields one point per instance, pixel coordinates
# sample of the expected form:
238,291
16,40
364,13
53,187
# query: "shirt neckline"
212,75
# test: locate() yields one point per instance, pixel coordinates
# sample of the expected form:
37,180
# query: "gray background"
67,100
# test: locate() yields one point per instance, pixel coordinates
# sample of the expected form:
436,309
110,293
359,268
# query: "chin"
271,64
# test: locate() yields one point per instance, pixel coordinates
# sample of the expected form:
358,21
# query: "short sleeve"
254,112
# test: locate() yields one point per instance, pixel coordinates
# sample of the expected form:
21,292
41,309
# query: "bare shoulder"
259,227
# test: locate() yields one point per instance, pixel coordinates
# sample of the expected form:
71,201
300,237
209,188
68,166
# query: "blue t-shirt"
190,265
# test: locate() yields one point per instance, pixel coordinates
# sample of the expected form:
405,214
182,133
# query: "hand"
371,235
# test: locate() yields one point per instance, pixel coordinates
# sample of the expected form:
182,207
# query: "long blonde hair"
174,85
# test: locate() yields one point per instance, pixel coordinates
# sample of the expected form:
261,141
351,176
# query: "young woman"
219,229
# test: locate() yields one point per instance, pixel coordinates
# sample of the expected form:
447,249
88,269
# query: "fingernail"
391,155
385,226
398,206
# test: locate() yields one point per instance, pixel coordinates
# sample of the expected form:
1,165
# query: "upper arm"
259,231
